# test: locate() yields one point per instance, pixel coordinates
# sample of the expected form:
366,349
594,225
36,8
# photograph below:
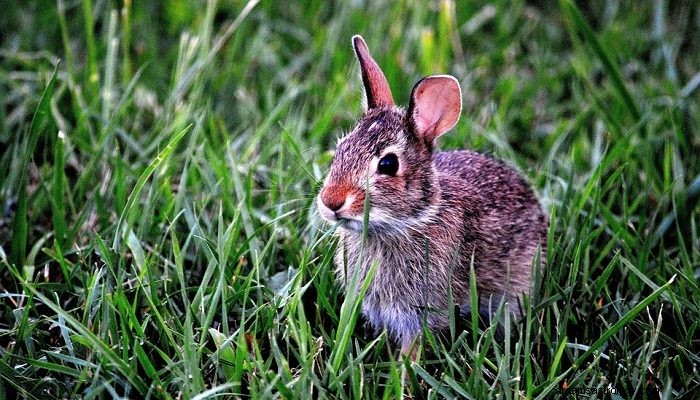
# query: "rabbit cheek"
357,205
387,198
390,187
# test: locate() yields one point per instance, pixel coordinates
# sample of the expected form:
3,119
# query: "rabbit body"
431,214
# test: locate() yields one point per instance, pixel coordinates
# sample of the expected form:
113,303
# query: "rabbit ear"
376,87
436,103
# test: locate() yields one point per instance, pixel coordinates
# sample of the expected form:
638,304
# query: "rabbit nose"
333,197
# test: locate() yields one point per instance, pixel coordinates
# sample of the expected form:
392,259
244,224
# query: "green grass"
159,162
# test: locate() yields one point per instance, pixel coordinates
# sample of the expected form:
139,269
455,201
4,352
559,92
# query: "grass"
160,160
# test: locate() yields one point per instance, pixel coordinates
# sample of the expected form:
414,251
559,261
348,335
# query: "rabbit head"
388,156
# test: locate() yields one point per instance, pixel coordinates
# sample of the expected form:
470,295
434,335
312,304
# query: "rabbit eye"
388,165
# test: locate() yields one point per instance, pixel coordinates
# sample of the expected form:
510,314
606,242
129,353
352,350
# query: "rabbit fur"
438,214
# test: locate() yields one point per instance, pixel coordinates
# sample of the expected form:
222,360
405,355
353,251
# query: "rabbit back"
503,225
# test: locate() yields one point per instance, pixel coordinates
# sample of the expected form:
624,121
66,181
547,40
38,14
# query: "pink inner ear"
436,105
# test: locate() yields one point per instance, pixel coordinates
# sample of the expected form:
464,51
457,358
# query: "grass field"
159,161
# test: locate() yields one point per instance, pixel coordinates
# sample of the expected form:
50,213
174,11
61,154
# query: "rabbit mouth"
373,227
339,218
348,223
352,224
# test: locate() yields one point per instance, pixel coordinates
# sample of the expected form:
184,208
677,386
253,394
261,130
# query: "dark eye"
388,165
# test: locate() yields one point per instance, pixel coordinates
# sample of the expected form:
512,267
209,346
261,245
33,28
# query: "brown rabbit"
431,214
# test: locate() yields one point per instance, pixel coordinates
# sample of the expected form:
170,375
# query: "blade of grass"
18,247
349,312
576,20
616,327
58,203
93,75
94,341
160,158
126,42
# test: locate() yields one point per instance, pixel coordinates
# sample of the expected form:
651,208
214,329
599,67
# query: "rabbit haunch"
432,217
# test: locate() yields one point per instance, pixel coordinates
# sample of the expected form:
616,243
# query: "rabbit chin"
354,224
374,226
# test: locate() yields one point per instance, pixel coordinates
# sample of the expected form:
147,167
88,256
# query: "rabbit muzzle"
337,202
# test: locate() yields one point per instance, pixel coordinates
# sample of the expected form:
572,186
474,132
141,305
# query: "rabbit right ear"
376,87
436,103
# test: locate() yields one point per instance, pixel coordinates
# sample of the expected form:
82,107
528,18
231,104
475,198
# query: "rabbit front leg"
400,320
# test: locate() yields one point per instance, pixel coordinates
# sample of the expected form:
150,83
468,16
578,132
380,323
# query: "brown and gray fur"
428,223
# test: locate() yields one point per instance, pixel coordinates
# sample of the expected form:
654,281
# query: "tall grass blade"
36,126
577,21
135,193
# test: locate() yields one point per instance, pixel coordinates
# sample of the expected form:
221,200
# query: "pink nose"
334,196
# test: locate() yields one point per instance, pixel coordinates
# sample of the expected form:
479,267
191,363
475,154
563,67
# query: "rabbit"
431,214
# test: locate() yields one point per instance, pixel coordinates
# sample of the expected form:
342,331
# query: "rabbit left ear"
436,103
376,86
